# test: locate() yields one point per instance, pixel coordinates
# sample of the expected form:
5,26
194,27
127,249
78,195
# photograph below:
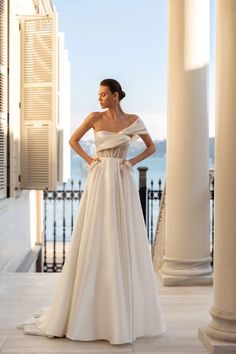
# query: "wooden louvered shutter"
3,97
39,102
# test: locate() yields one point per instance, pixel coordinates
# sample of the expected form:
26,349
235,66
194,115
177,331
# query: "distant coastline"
156,163
160,144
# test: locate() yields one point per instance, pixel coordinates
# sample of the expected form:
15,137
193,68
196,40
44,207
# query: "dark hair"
114,86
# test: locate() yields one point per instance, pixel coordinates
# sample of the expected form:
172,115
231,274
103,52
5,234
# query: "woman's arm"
151,148
79,133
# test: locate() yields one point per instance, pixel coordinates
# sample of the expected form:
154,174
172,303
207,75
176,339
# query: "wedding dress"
107,288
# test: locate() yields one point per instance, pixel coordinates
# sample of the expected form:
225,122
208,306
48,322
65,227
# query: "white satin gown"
107,288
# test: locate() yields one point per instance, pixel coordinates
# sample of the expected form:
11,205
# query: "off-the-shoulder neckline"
109,131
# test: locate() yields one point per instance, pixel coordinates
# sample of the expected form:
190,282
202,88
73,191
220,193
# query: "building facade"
34,124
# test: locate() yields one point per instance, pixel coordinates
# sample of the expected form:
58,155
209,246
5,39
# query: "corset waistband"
116,152
110,157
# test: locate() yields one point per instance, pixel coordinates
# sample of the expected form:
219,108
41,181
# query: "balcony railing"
61,205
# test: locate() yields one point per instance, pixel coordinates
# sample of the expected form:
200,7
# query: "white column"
187,253
220,335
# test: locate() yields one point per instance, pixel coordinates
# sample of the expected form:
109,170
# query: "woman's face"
106,97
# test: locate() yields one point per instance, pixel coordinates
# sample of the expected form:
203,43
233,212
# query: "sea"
156,173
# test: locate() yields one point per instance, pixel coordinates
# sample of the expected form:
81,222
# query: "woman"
107,288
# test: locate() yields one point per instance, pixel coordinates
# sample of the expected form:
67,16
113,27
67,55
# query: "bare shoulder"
132,117
93,114
95,117
92,117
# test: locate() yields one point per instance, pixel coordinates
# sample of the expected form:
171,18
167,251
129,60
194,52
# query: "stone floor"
185,310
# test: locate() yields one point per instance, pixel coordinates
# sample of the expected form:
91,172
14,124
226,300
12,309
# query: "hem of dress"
110,341
117,343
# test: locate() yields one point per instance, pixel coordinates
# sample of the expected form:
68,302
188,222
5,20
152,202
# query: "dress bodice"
118,151
116,144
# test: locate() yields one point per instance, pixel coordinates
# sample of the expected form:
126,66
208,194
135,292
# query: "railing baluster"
64,224
159,191
147,198
80,191
45,196
143,189
54,269
212,219
151,222
72,204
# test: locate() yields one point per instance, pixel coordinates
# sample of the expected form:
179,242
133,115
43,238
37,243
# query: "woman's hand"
127,162
93,160
131,162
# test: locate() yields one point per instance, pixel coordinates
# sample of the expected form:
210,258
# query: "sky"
125,40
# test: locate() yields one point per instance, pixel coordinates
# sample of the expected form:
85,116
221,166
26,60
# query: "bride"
107,288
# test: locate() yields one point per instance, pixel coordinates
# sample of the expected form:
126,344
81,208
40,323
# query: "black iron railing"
60,208
59,213
148,198
212,221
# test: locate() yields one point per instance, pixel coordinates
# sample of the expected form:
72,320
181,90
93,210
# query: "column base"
186,272
177,280
222,325
215,346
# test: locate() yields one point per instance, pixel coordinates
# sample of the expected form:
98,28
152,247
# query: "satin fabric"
107,288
